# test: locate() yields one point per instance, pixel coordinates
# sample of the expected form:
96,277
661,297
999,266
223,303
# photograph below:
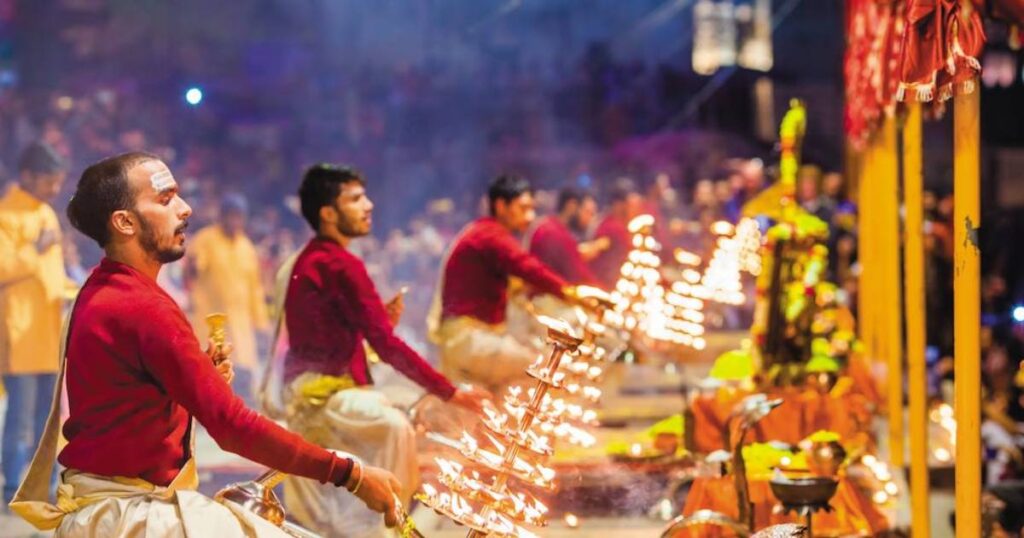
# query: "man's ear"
328,214
124,222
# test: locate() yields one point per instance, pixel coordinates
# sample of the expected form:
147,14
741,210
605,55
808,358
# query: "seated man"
555,240
468,317
331,310
624,203
136,377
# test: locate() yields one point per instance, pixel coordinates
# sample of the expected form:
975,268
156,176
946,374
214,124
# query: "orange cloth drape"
802,413
785,423
710,414
852,513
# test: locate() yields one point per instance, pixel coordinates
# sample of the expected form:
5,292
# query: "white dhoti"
484,355
363,423
104,506
90,505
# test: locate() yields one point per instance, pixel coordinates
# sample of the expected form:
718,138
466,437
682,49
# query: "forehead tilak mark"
161,180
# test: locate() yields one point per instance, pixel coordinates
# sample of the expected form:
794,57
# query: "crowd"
88,126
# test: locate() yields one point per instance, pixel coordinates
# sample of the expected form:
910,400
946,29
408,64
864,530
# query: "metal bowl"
813,491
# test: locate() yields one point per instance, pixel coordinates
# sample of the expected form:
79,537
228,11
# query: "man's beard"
351,229
149,243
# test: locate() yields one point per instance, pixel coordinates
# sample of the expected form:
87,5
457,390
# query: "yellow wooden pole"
967,312
913,274
866,245
890,326
874,264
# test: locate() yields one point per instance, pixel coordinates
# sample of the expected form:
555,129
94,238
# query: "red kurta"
475,281
136,375
608,263
331,306
553,244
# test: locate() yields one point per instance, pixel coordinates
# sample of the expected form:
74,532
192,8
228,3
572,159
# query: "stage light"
194,96
1018,313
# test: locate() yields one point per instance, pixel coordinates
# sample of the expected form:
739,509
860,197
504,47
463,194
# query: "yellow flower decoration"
761,458
821,363
672,425
823,436
820,346
735,365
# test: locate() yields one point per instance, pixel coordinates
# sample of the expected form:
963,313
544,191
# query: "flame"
448,467
685,257
557,324
722,228
640,222
501,511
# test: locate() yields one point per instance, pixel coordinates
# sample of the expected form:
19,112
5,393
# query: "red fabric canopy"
941,47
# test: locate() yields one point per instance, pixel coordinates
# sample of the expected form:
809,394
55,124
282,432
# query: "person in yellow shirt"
32,286
225,277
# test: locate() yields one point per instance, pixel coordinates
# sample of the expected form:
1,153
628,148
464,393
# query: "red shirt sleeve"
579,271
361,303
522,264
171,354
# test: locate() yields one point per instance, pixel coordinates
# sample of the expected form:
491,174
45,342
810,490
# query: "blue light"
1018,314
194,96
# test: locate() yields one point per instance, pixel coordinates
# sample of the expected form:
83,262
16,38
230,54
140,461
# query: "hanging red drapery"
874,42
941,47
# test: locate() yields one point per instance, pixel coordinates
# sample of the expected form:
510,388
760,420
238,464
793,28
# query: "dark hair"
506,187
103,189
321,186
571,194
40,158
621,190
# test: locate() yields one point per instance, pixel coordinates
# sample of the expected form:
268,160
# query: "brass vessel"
216,324
258,497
